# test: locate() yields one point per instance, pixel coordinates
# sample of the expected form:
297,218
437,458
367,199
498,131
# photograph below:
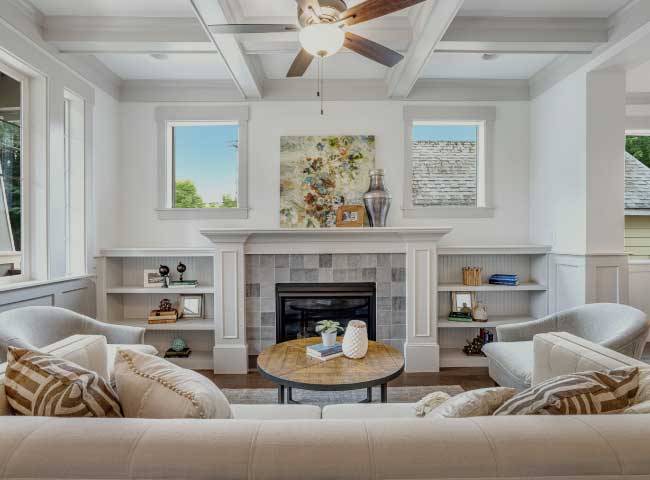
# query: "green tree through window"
639,147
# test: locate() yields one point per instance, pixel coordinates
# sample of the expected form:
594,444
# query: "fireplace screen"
300,306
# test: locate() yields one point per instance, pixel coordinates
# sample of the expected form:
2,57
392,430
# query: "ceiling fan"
321,30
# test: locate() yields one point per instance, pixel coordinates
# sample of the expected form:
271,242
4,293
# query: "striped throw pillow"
39,384
586,393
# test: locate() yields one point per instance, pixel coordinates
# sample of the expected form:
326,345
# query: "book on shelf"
320,350
460,317
504,282
185,353
504,279
159,316
183,284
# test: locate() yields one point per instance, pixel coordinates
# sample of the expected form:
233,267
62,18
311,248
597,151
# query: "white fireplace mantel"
325,240
421,349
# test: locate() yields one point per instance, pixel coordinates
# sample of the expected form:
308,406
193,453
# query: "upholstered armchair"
617,327
35,327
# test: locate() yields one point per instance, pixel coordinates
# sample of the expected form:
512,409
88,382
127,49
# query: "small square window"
205,164
448,158
445,161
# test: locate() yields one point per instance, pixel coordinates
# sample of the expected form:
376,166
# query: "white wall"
558,166
140,226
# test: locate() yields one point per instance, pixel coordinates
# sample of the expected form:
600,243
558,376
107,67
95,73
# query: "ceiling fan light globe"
322,39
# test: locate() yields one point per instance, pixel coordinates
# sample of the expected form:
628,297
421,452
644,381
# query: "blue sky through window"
207,155
445,132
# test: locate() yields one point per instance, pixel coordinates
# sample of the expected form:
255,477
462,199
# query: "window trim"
461,115
169,115
25,159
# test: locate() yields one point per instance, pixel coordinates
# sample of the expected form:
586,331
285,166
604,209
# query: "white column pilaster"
421,350
230,352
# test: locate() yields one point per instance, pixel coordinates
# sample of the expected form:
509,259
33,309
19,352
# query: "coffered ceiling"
441,39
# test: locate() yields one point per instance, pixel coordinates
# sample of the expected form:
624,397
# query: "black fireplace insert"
299,306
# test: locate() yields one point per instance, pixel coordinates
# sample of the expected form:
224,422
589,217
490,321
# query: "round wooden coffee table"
288,365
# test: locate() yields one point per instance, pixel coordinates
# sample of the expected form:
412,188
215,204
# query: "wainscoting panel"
75,294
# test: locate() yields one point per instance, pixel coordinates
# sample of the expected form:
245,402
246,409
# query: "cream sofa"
350,441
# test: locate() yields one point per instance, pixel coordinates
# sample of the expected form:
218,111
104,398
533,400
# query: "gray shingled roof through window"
444,173
637,184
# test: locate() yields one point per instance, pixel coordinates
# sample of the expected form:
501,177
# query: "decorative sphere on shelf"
178,345
163,270
355,340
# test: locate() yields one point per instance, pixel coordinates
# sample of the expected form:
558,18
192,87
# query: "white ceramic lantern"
355,340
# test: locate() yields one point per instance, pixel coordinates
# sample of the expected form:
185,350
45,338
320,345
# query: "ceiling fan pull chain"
322,85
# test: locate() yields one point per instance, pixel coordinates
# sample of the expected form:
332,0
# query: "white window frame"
484,118
25,191
166,118
637,127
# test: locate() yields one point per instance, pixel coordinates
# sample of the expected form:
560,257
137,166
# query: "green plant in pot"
328,330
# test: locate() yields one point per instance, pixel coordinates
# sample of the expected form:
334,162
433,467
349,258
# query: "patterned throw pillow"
39,384
586,393
473,403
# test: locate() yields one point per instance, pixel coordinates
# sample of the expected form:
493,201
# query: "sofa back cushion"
87,351
562,353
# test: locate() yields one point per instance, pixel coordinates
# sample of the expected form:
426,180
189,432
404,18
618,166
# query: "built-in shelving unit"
122,298
505,304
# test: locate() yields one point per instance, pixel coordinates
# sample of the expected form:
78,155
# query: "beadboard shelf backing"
505,304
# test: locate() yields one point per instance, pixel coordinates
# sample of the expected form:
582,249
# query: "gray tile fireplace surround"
387,270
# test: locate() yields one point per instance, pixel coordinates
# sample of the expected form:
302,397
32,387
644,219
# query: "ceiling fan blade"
307,5
251,28
371,9
300,64
371,50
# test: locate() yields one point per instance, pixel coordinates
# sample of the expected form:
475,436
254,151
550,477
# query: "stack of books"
160,316
186,352
504,279
460,317
321,352
183,284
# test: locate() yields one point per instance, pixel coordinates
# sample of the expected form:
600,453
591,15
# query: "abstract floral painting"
318,174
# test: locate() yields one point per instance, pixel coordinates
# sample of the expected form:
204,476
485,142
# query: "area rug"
253,396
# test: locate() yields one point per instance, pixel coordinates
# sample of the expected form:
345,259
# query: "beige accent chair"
618,327
36,327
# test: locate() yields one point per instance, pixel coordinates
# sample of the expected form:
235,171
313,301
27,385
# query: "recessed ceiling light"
159,56
489,56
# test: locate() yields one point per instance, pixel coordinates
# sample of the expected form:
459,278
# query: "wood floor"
468,378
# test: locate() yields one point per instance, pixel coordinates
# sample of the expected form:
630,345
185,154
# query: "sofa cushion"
275,412
88,351
514,358
112,349
473,403
369,410
584,393
152,387
40,384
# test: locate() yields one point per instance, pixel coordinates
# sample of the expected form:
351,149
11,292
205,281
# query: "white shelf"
494,321
495,250
522,287
454,357
196,361
156,252
170,291
194,324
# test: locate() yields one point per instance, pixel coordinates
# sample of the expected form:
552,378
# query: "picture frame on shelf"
350,216
190,306
153,279
463,302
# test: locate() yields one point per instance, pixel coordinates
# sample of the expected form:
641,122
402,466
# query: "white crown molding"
637,98
27,8
460,90
160,91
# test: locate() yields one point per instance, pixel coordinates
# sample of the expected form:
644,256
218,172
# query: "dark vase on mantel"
377,199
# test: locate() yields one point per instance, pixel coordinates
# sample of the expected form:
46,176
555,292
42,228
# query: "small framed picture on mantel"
350,216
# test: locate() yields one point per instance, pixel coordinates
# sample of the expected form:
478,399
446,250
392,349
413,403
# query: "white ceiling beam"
432,21
524,35
245,71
